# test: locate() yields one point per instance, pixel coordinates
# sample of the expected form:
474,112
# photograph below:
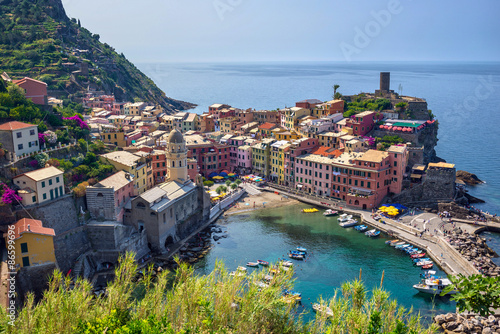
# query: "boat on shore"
263,263
344,217
434,286
322,309
349,223
330,212
252,264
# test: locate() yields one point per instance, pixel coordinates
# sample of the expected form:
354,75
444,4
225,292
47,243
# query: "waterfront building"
398,155
277,160
173,209
138,164
33,243
244,164
296,148
106,199
261,156
19,138
40,185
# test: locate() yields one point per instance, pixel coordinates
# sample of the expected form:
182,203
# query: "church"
172,210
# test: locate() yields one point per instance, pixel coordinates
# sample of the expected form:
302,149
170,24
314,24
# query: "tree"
234,186
335,87
219,190
476,293
228,182
238,181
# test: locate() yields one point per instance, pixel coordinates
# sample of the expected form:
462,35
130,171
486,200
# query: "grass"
183,302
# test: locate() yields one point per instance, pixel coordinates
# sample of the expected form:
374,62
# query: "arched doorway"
169,241
356,202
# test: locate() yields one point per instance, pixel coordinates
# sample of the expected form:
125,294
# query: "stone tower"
385,81
176,156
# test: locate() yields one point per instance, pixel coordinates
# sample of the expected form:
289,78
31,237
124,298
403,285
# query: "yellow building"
137,164
286,135
116,138
277,159
261,157
290,116
33,244
40,185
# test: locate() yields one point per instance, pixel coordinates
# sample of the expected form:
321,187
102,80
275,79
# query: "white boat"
433,286
241,268
322,309
330,212
344,217
349,223
398,243
252,264
287,263
423,263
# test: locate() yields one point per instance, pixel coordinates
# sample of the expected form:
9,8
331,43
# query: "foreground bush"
215,303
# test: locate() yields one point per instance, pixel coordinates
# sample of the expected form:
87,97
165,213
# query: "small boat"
263,263
286,263
297,296
330,212
298,252
311,210
237,273
241,268
252,264
433,286
344,217
398,243
296,256
423,263
402,246
430,274
412,250
427,266
374,234
349,223
361,228
322,309
390,242
417,255
422,259
302,249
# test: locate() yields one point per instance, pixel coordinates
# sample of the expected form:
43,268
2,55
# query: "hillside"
38,40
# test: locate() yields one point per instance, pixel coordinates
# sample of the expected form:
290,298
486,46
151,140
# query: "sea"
464,97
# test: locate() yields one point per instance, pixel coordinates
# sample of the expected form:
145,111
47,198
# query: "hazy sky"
294,30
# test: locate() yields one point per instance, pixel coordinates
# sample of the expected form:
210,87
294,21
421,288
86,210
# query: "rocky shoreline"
475,250
468,324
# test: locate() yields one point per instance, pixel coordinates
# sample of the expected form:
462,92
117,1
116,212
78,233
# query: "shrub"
42,159
81,189
9,196
50,137
208,183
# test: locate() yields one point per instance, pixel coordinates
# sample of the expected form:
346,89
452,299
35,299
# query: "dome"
175,137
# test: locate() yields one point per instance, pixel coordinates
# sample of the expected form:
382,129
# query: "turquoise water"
463,96
335,254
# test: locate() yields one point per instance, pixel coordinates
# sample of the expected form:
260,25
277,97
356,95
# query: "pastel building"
290,116
364,122
19,138
137,164
34,90
296,148
328,108
33,243
244,159
277,160
40,185
261,153
265,116
106,199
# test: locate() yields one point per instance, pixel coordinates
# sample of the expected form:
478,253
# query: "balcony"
359,192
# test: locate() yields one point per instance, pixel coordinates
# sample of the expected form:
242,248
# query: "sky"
294,30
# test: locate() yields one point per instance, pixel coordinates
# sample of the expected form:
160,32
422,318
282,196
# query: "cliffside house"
40,185
34,90
139,165
33,243
19,138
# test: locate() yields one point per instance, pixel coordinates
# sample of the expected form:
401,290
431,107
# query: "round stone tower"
176,156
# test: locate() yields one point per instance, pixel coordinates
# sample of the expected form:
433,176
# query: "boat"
434,286
402,246
286,263
344,217
302,249
374,234
390,242
263,263
241,268
311,210
297,296
430,274
361,228
412,250
298,252
322,309
417,255
427,266
422,259
330,212
398,243
296,256
252,264
423,263
237,273
349,223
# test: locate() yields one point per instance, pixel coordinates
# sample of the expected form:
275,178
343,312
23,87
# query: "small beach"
264,200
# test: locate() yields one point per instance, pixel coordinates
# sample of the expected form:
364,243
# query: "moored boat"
330,212
263,263
374,234
401,243
388,242
252,264
423,263
434,286
418,255
322,309
302,249
402,246
298,252
311,210
344,217
286,263
427,266
349,223
296,256
394,243
241,268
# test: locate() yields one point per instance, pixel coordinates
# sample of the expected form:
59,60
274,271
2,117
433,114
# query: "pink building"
132,137
364,122
308,103
297,148
398,155
107,199
244,157
34,90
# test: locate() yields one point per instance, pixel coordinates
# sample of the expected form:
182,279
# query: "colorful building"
40,185
277,160
266,130
364,122
266,116
261,153
138,164
328,108
19,138
33,243
290,116
34,90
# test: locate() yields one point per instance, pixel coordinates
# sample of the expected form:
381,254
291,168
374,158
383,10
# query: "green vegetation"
221,189
38,40
208,183
386,141
214,303
359,104
475,293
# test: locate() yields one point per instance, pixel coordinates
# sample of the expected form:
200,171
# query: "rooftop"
42,173
117,180
440,165
122,157
396,149
31,226
15,125
163,194
267,126
312,101
364,113
373,156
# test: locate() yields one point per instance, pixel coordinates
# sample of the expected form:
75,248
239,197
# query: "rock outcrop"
468,178
459,323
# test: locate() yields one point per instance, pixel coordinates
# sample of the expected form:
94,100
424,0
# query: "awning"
299,186
416,176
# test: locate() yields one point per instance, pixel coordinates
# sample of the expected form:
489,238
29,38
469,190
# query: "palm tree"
335,87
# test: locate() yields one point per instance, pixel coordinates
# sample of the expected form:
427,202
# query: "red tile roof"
267,126
31,226
327,152
15,125
23,80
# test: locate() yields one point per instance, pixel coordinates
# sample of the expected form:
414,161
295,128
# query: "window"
20,146
43,184
50,182
24,247
26,261
57,179
32,132
395,163
19,135
44,196
33,199
368,184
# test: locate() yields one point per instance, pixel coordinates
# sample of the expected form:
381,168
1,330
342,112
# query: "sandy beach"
261,201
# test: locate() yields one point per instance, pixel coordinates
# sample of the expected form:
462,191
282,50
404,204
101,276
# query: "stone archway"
169,241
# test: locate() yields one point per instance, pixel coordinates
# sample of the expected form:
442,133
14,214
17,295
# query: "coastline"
264,200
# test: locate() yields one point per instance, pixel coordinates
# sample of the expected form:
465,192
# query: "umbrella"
212,174
231,174
218,177
223,174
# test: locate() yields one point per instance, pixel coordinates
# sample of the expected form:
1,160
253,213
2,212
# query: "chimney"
29,228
